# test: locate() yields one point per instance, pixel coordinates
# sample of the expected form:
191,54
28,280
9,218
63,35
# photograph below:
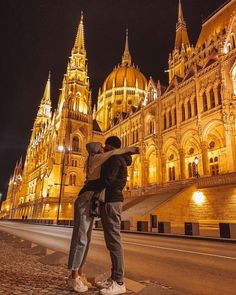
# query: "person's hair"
113,141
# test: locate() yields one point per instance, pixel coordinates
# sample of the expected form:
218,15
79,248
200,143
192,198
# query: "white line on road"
178,250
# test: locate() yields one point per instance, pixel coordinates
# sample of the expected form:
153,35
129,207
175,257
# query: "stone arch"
190,137
215,129
136,177
152,164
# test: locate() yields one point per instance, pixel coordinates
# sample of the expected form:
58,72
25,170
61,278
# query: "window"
151,126
219,95
204,102
192,171
195,106
212,98
75,144
72,180
171,173
170,119
214,166
189,110
183,112
164,121
175,117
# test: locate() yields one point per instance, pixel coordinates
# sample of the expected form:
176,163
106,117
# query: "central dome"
125,75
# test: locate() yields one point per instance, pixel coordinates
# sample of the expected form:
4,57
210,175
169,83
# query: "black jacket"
113,178
114,174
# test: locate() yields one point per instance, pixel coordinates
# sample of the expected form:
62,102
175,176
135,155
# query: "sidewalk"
23,273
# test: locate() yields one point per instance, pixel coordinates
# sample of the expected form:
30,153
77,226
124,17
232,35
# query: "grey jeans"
82,231
111,221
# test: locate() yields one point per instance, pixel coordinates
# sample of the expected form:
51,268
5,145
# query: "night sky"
38,35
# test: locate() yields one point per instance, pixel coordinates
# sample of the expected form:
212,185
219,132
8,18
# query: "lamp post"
61,148
196,162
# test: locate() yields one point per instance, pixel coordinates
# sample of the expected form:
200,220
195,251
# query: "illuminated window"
175,117
172,173
170,119
151,126
164,121
192,170
219,95
195,106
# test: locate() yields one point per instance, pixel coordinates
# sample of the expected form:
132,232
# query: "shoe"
85,281
77,285
114,289
104,284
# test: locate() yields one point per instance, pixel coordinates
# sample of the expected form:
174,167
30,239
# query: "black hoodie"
113,178
114,175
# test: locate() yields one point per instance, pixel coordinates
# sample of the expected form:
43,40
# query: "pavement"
31,269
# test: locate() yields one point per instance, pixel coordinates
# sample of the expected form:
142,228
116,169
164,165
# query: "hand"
134,150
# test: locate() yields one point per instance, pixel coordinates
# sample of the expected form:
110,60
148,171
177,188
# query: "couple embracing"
106,176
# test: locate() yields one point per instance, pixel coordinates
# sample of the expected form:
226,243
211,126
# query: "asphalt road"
186,265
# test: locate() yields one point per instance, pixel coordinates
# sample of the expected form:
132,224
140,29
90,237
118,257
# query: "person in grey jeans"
114,175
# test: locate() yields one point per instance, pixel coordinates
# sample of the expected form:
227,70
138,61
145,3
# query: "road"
193,267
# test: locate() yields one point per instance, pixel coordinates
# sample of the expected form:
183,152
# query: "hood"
128,159
94,148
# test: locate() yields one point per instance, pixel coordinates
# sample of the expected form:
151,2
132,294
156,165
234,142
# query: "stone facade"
184,130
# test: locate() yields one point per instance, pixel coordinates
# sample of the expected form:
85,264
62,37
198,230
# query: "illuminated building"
194,116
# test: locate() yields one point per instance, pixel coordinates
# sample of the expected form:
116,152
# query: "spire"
79,41
126,58
45,105
181,30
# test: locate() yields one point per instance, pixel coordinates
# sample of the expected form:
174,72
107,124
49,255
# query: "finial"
81,17
126,58
49,75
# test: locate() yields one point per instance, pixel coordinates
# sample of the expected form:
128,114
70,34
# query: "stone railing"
229,178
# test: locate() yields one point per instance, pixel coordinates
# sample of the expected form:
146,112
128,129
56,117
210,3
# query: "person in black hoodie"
114,175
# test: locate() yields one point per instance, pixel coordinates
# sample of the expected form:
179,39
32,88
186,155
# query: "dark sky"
37,36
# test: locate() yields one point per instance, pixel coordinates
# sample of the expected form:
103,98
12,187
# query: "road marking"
179,250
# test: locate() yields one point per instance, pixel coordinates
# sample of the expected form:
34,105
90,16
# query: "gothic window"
195,106
72,180
183,112
204,102
233,40
136,135
212,98
214,166
170,119
164,121
189,109
171,173
75,144
175,117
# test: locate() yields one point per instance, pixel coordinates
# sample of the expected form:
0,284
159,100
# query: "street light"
61,148
196,162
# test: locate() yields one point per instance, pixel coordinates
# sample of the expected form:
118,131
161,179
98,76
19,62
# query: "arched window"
170,119
164,121
195,106
204,102
233,40
183,112
212,98
219,95
72,180
75,144
189,109
192,172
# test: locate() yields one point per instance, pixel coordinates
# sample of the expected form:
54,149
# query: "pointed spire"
45,105
46,96
181,30
126,58
79,41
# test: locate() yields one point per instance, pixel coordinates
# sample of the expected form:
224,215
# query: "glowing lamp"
61,148
198,198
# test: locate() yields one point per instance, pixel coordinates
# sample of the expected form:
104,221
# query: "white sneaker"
114,289
77,285
104,284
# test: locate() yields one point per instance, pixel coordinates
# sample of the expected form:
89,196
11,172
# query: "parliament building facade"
186,130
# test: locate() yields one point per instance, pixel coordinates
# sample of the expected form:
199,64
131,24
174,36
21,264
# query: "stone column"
182,163
205,162
163,168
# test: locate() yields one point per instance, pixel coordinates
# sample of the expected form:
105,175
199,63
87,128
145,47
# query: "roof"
122,73
216,22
